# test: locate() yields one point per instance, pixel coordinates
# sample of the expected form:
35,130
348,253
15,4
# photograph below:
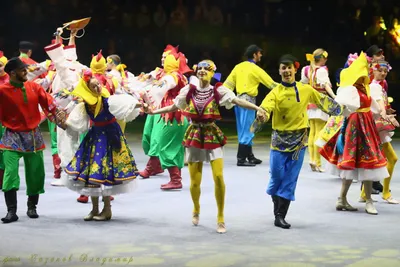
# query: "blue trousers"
284,173
244,119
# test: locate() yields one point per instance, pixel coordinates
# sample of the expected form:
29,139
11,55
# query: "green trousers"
34,171
164,140
1,152
53,137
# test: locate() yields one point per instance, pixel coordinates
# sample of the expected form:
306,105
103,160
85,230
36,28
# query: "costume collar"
23,55
17,84
294,84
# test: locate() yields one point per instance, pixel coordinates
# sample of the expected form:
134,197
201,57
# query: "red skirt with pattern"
362,147
204,136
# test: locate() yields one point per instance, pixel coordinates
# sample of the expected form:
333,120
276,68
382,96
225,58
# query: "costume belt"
304,139
104,123
251,99
362,110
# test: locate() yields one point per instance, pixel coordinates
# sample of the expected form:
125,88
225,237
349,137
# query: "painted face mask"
206,70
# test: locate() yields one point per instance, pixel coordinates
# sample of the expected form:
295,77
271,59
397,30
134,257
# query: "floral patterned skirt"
204,136
103,164
331,128
361,148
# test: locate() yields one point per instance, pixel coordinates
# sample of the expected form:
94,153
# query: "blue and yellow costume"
288,102
246,77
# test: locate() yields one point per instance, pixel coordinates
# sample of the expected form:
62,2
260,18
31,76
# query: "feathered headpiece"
98,64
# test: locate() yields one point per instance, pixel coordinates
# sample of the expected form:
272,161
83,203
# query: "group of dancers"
87,109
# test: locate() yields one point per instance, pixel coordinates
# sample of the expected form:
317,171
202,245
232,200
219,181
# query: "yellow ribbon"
310,57
121,68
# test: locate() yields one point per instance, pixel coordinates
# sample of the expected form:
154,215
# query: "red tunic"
19,112
362,146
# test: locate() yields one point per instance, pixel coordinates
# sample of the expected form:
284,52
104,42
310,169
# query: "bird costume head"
98,64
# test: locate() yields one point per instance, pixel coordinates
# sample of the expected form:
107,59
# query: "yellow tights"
316,125
195,171
391,158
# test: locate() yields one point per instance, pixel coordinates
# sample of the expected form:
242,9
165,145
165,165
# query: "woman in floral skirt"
103,164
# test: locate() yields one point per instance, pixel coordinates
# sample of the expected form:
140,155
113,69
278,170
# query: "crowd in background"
219,29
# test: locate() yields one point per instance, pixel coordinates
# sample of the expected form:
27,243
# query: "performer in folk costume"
200,102
316,74
37,72
20,115
168,129
288,101
246,77
98,67
62,77
103,164
149,141
4,78
385,124
354,152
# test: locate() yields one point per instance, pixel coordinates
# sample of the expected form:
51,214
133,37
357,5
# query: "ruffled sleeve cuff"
123,107
227,96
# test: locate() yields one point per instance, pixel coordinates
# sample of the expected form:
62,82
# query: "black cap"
289,59
373,50
13,64
251,50
26,45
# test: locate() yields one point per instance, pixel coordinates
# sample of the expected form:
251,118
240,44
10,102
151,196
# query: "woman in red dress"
354,153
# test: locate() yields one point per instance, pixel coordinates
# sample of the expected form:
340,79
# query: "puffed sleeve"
123,107
376,91
323,77
78,120
180,100
226,97
304,78
348,96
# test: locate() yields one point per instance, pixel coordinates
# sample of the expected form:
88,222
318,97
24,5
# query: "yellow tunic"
246,77
290,119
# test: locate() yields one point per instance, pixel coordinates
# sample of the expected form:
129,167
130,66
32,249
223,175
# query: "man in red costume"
20,115
4,78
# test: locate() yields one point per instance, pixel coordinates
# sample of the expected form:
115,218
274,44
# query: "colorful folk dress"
362,158
104,164
203,139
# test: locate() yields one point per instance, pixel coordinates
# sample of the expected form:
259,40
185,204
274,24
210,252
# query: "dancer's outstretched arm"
171,108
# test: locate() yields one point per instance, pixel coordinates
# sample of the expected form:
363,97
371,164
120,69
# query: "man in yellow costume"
246,77
288,101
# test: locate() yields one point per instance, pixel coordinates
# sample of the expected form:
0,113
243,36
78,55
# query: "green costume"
53,137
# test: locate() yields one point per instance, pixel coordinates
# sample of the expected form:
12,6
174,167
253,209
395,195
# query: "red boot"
111,198
176,179
57,166
1,178
83,199
153,167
